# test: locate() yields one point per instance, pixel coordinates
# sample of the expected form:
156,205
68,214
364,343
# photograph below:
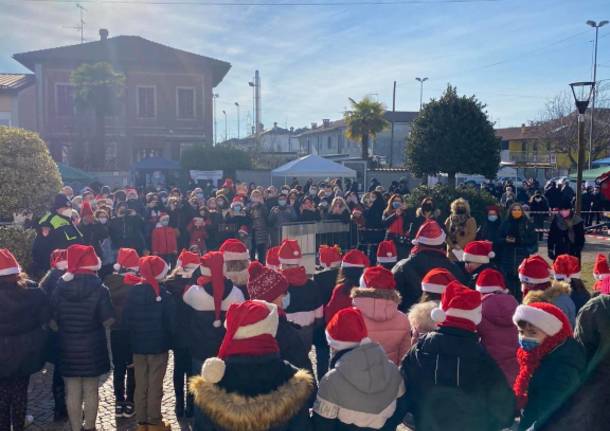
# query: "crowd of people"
447,325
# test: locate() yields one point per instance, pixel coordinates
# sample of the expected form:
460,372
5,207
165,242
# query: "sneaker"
119,411
128,410
29,420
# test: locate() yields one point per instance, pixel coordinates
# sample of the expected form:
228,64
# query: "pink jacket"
498,332
385,324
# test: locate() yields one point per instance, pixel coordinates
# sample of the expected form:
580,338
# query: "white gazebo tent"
312,166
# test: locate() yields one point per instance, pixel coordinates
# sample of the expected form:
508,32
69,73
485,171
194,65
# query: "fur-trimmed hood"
435,213
460,202
556,289
379,305
236,412
420,318
365,292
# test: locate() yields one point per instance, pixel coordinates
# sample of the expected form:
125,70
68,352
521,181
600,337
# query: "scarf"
418,248
457,225
397,227
295,276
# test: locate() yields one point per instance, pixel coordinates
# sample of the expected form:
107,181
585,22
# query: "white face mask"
66,212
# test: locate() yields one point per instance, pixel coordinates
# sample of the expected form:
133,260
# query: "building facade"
17,100
166,105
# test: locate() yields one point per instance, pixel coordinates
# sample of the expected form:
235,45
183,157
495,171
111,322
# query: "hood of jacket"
498,308
236,412
80,288
549,294
376,304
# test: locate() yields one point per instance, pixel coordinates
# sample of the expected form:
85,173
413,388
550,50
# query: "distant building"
274,140
166,106
17,100
328,139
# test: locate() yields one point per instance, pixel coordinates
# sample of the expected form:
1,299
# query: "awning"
74,175
313,166
591,174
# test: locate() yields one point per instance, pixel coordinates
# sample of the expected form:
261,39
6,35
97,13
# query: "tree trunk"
365,147
98,152
451,180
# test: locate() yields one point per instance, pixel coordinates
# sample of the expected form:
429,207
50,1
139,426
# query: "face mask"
426,208
313,192
103,220
220,204
528,344
396,205
460,211
492,218
66,212
564,213
164,222
199,196
237,208
517,214
538,199
286,301
281,203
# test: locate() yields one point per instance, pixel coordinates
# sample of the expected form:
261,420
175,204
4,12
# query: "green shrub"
443,196
19,241
29,176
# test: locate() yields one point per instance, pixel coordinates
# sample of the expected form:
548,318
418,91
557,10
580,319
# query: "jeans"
182,370
82,398
122,360
13,402
150,371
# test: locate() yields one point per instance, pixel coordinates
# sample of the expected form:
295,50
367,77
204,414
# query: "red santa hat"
330,257
81,258
436,280
8,263
290,252
163,216
264,283
153,269
187,263
545,316
346,329
377,277
59,259
386,252
534,270
489,281
228,184
237,200
430,233
273,258
212,269
566,267
460,308
234,249
251,329
355,259
478,252
127,258
601,269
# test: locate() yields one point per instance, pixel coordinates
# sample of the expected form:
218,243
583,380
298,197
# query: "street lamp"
214,97
596,26
237,106
225,114
254,119
421,90
582,94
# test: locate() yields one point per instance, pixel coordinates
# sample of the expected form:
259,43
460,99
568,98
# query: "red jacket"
198,235
164,240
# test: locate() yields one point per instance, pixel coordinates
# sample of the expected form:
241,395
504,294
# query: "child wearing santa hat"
476,258
272,260
567,268
537,286
82,311
306,308
247,385
208,301
363,389
498,334
236,260
182,277
59,263
237,224
601,270
165,240
127,262
452,382
352,266
149,317
198,234
378,300
551,363
265,284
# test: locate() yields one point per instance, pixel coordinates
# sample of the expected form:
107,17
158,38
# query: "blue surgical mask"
237,208
164,222
282,203
528,344
286,301
492,218
396,205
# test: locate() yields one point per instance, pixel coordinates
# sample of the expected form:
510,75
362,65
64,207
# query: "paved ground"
41,400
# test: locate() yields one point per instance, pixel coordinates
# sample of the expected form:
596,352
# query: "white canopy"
313,166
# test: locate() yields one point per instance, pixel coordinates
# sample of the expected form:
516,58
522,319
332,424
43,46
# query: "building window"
147,102
185,103
64,99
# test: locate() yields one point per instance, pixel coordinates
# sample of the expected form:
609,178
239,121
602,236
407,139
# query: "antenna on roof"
81,25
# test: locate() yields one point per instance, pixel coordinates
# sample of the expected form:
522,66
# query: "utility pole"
392,137
226,128
214,97
81,24
596,26
237,106
421,90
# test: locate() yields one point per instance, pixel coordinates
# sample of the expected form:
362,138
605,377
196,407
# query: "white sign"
213,176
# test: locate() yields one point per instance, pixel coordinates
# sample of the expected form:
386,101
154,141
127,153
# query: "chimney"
275,124
326,122
291,129
103,34
522,129
314,126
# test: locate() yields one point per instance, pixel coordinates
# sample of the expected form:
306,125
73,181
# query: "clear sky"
512,54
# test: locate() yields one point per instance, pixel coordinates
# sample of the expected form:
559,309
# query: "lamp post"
582,94
225,114
214,97
596,26
421,90
237,106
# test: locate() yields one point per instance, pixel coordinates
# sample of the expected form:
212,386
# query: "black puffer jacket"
150,323
80,308
409,272
176,287
48,284
25,313
453,384
292,349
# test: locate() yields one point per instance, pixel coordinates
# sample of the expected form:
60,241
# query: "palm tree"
98,89
364,121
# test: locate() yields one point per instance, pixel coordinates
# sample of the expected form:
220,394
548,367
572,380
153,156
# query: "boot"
163,426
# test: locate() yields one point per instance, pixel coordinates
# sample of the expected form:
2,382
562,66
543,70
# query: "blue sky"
513,54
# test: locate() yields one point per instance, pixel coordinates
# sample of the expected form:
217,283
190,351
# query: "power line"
269,3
